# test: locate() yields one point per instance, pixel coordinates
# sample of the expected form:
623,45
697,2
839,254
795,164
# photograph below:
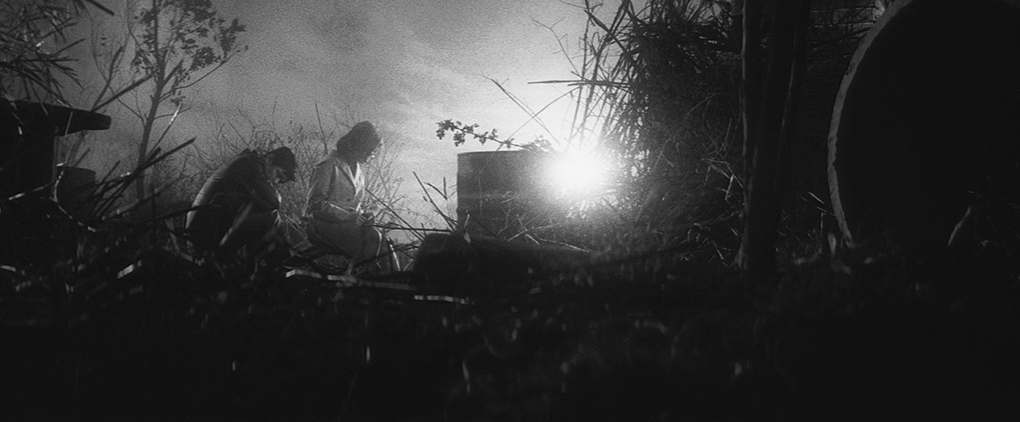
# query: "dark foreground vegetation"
106,316
138,332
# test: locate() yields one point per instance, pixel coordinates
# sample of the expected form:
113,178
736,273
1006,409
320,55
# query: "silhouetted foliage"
34,62
105,316
171,45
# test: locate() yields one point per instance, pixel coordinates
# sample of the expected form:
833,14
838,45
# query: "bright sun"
576,175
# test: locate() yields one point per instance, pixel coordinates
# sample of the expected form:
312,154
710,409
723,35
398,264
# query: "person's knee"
249,230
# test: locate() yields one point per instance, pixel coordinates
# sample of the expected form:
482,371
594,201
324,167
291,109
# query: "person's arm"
324,181
263,195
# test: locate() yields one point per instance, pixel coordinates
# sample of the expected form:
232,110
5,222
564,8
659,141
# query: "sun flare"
576,175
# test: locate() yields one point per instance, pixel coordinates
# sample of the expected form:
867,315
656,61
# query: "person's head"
359,143
281,165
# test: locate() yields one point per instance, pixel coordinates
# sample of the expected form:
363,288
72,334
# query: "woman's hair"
363,136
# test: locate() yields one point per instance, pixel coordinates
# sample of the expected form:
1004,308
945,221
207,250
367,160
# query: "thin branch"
168,125
452,223
527,110
131,87
192,83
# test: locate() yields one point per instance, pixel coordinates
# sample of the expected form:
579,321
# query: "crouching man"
237,208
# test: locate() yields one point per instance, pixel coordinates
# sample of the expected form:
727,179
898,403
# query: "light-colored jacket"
336,192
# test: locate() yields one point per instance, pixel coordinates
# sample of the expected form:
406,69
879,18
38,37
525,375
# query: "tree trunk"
788,137
751,79
767,121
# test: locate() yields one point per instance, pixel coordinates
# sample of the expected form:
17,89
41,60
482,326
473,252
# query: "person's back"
237,206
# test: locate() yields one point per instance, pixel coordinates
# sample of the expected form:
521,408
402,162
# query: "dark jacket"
238,188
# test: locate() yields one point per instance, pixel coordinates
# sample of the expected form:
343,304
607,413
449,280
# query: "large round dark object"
927,116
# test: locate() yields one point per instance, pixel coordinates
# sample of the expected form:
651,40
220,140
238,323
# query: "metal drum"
499,193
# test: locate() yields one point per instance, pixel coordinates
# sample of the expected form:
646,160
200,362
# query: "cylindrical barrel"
499,192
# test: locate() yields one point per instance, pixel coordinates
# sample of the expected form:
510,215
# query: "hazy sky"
404,64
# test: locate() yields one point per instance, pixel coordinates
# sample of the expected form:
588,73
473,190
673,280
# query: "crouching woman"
334,213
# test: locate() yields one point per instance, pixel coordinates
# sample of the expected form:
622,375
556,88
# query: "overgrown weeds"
106,317
120,326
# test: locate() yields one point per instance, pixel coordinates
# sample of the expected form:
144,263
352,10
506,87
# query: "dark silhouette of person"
238,205
334,213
